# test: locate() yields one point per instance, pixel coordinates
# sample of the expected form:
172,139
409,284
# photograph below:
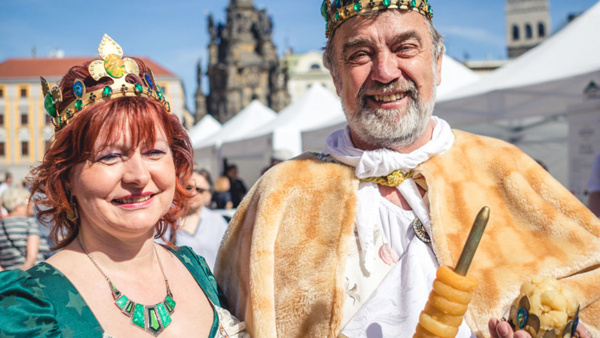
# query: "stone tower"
199,96
527,25
243,64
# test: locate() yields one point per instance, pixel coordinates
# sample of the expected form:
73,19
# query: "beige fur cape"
282,261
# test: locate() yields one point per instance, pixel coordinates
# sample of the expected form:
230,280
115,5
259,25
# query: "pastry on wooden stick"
452,289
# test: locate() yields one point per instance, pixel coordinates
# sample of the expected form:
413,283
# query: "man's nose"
385,68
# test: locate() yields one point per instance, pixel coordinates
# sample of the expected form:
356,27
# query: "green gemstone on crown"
78,104
386,3
413,3
357,6
337,16
138,88
159,92
114,66
324,13
49,105
107,91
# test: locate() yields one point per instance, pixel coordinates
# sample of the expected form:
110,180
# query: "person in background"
201,229
221,198
115,175
8,180
278,156
348,242
20,243
237,187
594,188
7,183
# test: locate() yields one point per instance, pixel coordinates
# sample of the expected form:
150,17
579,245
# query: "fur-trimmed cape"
281,264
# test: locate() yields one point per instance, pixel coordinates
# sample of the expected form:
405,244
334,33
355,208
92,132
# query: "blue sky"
174,33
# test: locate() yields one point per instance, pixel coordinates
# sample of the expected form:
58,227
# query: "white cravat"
381,162
392,310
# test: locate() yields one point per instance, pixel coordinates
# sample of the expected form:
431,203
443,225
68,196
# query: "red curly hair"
74,144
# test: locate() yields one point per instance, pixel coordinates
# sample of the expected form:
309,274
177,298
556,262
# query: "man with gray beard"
347,242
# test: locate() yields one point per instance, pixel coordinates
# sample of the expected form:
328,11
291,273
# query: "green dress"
42,302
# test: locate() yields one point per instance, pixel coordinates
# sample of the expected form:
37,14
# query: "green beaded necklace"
152,318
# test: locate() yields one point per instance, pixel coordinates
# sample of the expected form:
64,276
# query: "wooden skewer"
470,247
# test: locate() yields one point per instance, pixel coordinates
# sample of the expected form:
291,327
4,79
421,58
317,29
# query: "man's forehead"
393,24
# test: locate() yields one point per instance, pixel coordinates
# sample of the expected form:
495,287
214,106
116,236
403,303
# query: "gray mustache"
408,86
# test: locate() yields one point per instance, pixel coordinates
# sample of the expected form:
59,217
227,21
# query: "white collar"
381,162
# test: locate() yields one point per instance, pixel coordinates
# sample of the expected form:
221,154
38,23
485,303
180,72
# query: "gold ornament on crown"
335,13
112,65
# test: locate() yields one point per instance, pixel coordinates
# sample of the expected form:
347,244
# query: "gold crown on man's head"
112,65
335,13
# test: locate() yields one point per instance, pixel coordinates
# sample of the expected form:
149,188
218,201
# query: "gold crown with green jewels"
112,65
335,13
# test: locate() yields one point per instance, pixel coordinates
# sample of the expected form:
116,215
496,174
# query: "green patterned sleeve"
201,272
24,309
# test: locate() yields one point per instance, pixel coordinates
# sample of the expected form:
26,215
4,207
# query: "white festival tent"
543,81
454,76
207,151
526,102
315,107
205,128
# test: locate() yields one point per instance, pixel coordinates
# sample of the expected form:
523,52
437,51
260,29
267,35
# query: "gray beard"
391,128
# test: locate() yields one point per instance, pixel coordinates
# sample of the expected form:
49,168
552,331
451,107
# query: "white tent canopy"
543,81
317,106
247,120
206,152
205,128
529,98
454,76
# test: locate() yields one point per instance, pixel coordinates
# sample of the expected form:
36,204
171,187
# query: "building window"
1,119
515,32
24,118
24,148
315,66
48,119
2,149
541,30
23,92
1,92
528,31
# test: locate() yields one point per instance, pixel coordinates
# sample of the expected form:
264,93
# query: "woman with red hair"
114,178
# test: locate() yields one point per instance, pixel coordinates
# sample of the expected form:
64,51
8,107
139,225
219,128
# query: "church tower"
243,64
527,25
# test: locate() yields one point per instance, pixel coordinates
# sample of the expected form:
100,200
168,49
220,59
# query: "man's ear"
438,69
338,87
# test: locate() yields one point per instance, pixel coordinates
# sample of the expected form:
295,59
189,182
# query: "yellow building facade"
25,127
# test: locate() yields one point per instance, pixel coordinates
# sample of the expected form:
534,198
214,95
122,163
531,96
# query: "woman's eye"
155,153
108,158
